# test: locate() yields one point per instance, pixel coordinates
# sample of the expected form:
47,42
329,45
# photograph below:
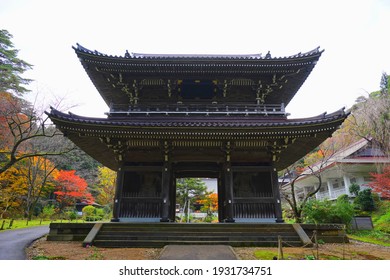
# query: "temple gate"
219,116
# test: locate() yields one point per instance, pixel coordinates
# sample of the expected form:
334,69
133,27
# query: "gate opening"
196,200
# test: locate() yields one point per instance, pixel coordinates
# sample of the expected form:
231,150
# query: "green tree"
385,85
48,212
11,67
188,190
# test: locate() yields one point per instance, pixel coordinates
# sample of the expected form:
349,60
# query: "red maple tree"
71,189
381,183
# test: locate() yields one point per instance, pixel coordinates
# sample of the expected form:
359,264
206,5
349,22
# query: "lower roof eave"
297,137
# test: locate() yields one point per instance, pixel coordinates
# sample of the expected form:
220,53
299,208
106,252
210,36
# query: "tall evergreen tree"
188,190
11,67
384,85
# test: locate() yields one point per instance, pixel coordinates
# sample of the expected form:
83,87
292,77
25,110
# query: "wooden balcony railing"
197,109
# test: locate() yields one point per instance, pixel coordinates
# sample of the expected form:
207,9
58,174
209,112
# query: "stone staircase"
122,235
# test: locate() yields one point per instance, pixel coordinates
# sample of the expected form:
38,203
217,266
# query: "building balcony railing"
333,195
336,193
322,195
197,109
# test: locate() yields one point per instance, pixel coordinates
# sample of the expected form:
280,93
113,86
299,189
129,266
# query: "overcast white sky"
354,35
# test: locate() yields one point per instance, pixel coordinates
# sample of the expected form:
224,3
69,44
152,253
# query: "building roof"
360,154
244,77
255,137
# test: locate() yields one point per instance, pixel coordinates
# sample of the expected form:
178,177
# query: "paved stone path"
198,252
14,242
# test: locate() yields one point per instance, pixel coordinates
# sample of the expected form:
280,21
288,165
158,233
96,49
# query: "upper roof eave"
314,53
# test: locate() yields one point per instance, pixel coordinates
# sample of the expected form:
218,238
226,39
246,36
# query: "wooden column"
166,183
228,204
228,174
276,193
118,195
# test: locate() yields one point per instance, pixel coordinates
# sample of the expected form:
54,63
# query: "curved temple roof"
273,80
290,138
80,49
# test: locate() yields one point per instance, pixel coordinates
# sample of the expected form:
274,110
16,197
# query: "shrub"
343,212
89,213
354,189
71,215
364,201
326,211
100,213
316,211
343,197
48,211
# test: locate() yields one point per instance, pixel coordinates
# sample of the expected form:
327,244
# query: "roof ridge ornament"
128,55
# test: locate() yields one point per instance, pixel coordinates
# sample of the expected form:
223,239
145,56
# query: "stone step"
89,232
194,228
199,225
160,243
66,237
197,238
158,235
114,234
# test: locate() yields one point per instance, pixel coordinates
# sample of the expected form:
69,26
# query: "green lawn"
16,224
380,235
371,236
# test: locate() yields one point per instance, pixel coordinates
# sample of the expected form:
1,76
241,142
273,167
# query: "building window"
337,183
367,179
324,187
309,189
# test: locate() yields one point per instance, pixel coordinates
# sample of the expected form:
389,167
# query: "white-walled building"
349,165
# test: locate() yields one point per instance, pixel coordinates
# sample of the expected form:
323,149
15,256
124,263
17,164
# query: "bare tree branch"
25,130
289,194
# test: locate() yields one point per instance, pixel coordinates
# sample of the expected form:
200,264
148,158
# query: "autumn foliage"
71,188
381,183
9,109
210,202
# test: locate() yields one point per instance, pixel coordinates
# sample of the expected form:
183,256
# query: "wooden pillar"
221,195
277,201
118,194
166,188
228,204
166,182
228,178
